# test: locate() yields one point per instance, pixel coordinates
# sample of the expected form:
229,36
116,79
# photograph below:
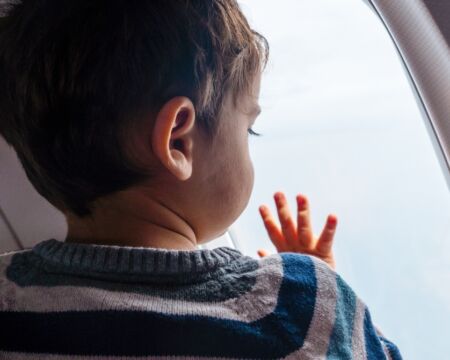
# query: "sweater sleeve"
374,335
342,320
353,325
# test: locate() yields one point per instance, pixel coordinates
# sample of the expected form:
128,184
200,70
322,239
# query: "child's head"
100,97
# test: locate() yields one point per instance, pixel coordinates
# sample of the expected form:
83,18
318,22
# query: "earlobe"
172,140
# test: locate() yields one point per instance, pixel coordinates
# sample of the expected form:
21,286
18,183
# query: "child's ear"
172,139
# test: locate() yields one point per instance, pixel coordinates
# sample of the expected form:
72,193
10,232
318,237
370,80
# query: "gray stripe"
341,337
256,303
318,336
358,339
230,281
84,258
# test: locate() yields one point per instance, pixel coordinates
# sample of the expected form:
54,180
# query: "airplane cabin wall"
440,10
6,238
31,216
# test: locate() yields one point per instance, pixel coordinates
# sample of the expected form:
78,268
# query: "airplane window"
340,124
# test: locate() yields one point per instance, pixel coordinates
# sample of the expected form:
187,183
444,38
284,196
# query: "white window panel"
341,125
224,240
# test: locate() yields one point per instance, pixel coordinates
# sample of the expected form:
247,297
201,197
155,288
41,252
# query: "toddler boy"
132,117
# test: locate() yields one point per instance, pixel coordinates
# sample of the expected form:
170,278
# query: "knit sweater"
63,300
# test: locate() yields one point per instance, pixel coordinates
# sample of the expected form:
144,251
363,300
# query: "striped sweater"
63,300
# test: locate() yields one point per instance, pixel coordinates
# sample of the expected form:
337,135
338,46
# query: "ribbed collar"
132,260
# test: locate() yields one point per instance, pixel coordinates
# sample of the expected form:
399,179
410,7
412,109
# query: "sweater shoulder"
305,269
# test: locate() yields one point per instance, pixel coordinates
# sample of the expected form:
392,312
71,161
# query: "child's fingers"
272,228
262,253
325,242
304,230
285,217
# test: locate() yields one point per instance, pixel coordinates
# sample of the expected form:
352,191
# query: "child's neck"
132,219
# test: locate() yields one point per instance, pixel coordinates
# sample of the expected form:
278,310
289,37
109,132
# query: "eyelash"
251,132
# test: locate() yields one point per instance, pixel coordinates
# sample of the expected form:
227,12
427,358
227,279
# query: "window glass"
340,125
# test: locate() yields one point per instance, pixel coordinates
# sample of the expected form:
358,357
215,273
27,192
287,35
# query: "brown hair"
75,75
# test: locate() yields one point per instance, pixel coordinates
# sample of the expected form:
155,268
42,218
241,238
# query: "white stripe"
10,253
358,337
256,303
322,323
386,350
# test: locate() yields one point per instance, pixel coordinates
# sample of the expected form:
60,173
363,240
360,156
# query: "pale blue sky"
340,124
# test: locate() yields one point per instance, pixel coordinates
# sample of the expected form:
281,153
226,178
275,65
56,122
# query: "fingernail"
300,200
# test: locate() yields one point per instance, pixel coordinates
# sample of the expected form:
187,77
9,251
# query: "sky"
340,124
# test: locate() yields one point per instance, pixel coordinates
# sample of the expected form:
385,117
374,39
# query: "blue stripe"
340,346
374,348
132,333
393,349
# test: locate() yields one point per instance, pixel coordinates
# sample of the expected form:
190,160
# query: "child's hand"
300,238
